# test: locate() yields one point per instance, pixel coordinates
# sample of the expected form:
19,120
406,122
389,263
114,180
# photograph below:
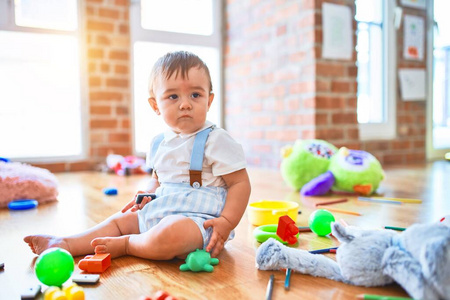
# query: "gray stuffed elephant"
418,259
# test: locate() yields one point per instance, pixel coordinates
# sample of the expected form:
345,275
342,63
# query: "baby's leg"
174,236
80,244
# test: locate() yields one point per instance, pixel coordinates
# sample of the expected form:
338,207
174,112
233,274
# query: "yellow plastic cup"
267,212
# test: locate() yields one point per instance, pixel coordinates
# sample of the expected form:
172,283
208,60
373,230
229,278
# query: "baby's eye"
173,97
195,95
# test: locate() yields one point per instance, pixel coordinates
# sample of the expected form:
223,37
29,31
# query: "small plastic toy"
159,295
54,266
22,204
86,278
287,230
320,222
126,165
71,292
264,232
31,292
140,197
198,261
267,212
110,191
97,263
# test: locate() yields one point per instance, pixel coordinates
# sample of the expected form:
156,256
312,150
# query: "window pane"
146,123
371,101
40,103
184,16
441,76
50,14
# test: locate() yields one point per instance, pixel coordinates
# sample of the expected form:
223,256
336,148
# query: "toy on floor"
97,263
418,259
20,181
320,222
126,165
71,292
159,295
198,261
306,160
287,230
350,171
54,266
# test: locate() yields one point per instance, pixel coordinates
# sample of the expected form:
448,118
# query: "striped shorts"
181,199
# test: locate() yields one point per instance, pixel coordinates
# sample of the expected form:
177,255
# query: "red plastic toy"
159,295
287,230
97,263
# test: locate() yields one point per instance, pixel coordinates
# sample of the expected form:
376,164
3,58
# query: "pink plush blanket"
22,181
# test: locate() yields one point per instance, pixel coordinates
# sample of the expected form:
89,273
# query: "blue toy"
22,204
110,191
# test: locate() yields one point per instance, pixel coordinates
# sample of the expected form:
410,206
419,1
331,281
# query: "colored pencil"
326,250
403,200
304,229
333,250
287,281
378,200
395,228
269,290
380,297
332,201
342,211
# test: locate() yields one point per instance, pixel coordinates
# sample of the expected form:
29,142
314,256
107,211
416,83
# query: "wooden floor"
82,204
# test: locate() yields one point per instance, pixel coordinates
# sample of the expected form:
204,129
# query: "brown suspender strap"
196,177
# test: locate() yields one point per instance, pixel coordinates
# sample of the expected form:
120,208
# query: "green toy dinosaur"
198,261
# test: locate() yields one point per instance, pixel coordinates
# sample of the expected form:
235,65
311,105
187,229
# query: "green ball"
320,222
54,266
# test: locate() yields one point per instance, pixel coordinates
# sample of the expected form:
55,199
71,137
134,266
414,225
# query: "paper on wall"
337,31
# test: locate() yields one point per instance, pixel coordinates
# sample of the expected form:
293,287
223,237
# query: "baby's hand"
135,205
221,230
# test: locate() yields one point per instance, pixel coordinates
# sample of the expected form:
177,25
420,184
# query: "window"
40,105
376,69
438,137
156,28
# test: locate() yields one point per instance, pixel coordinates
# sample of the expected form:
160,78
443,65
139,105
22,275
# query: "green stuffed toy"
350,171
306,160
355,171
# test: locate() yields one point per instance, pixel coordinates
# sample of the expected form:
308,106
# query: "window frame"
215,40
7,14
431,152
388,129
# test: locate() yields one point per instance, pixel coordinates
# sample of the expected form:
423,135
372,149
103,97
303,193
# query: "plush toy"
126,165
22,181
418,259
350,171
306,160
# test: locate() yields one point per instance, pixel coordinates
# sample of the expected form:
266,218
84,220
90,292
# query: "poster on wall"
337,31
414,3
414,37
412,84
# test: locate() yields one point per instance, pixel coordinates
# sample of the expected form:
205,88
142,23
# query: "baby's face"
183,102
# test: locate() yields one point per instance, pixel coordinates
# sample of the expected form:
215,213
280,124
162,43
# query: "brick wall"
109,105
278,88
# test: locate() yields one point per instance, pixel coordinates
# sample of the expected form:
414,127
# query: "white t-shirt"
223,155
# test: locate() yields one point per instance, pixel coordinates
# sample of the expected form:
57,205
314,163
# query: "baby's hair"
178,63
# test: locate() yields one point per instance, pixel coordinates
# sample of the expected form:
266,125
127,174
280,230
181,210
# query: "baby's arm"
236,202
152,186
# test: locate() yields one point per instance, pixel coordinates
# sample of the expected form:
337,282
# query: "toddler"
199,178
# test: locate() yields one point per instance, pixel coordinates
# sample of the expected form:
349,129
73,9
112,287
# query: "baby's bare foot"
40,243
116,246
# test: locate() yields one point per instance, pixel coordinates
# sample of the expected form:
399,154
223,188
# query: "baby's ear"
340,232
